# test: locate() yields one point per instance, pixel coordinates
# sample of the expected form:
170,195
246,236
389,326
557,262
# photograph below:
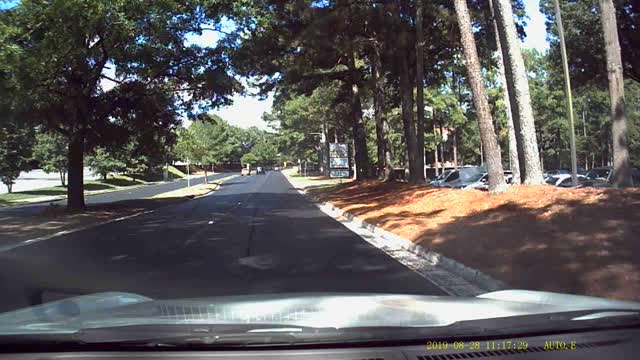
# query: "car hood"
336,310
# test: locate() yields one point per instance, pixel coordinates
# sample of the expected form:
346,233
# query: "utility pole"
584,134
567,83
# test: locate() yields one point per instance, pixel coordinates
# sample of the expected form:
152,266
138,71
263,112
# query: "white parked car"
564,180
482,182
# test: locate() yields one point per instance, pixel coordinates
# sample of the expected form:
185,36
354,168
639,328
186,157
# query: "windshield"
598,173
157,157
551,180
477,177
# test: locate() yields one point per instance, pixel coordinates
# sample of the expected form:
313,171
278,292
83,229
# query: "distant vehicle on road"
564,180
259,170
460,177
245,171
276,168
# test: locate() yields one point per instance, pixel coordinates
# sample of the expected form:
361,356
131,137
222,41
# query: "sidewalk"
579,241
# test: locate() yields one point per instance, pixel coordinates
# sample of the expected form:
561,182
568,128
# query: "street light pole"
567,83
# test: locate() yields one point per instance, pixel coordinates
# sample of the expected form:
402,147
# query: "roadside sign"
338,160
339,173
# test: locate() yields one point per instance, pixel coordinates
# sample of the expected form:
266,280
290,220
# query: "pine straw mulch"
581,241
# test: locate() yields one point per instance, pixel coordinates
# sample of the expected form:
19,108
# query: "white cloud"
535,29
246,111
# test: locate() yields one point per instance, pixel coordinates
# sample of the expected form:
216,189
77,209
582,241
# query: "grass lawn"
196,190
114,182
312,181
176,173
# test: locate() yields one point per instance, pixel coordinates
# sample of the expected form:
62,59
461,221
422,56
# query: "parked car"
599,177
460,177
556,172
564,180
581,171
245,171
602,177
440,178
483,181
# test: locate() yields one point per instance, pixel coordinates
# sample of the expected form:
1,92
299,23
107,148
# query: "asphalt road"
255,235
121,195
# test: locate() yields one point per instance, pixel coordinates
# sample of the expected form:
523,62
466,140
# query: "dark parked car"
602,177
460,178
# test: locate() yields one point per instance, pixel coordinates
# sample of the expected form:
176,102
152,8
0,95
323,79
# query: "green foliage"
15,150
592,116
207,141
50,150
248,159
585,41
300,119
61,51
103,162
265,152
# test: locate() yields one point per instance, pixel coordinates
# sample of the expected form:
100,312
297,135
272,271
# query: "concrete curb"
218,185
473,276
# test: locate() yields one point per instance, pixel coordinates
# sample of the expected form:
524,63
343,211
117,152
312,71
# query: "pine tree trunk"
419,92
511,132
455,149
385,158
408,122
75,189
621,176
487,132
63,179
520,99
435,151
326,150
359,137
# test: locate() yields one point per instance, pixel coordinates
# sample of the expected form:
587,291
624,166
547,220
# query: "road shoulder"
450,276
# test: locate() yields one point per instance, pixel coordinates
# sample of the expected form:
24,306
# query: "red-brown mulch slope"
582,241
